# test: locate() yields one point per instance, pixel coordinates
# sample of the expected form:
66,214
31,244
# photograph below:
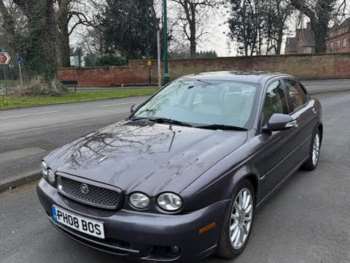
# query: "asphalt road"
307,221
27,135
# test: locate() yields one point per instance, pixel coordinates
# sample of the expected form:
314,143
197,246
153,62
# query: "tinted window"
275,101
205,102
296,95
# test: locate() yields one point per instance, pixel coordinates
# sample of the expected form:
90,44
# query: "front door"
270,160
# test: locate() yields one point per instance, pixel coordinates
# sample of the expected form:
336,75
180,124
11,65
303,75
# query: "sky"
215,28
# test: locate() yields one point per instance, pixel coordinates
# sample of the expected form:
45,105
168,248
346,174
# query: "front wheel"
314,154
238,222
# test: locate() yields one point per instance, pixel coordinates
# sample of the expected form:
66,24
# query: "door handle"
292,124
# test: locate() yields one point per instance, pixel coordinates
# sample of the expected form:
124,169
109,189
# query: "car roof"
256,77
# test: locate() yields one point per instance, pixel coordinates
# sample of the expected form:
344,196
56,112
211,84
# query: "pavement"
306,221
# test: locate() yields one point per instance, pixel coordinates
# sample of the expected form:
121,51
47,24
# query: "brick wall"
328,66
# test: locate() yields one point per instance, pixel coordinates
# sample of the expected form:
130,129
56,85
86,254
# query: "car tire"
314,153
228,247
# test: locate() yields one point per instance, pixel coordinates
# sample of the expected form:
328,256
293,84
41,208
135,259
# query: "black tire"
310,164
225,248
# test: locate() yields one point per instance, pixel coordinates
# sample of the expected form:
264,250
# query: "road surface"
307,221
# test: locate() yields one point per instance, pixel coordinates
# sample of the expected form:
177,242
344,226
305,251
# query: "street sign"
5,58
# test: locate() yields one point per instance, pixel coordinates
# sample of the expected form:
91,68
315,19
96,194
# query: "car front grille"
92,194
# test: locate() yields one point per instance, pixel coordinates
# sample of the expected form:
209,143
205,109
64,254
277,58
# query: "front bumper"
144,236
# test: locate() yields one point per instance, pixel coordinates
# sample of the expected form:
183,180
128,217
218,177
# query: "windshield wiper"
170,121
221,127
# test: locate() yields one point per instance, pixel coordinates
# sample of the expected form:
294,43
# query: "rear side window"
275,101
296,95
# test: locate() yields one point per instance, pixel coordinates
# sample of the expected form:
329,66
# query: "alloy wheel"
241,218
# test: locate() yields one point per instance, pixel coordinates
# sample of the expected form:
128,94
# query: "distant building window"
345,43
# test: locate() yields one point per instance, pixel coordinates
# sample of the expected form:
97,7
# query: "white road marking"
19,154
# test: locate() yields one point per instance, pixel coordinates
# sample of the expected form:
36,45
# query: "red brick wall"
137,72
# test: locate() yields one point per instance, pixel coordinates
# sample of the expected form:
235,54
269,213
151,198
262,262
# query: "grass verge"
12,102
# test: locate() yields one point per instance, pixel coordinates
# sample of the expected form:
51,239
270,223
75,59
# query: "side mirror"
280,122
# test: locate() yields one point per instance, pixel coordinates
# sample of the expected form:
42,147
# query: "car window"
275,101
203,102
296,95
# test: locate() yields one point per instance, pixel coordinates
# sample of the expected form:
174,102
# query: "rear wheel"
238,222
314,154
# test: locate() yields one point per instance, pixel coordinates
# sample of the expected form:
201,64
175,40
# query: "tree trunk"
193,31
320,28
49,40
63,33
279,42
41,47
64,47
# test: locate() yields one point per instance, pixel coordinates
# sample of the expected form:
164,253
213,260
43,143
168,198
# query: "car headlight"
48,174
44,169
169,202
139,201
51,177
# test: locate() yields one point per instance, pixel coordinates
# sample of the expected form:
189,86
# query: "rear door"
301,108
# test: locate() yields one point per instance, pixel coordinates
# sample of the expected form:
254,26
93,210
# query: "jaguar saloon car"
182,177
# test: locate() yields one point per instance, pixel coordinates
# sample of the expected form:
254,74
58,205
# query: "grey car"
181,178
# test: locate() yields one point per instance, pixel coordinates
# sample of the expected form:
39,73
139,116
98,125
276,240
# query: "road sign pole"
20,75
166,76
5,79
159,54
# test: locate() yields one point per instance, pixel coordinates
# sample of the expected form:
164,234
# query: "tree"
41,45
71,14
258,25
191,15
12,24
246,23
130,27
319,12
276,14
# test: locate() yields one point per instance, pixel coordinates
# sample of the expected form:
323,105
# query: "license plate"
82,224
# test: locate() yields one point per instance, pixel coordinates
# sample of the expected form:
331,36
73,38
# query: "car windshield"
202,103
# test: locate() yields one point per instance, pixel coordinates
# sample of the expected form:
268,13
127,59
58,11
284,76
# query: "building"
339,38
302,43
